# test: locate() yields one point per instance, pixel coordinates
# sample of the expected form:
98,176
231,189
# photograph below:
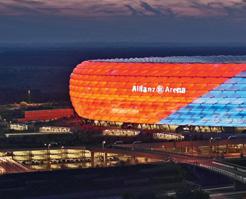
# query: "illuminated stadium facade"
197,91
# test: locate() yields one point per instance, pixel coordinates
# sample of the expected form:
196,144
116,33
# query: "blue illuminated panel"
223,106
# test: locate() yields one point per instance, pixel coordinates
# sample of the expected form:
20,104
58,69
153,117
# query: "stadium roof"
181,59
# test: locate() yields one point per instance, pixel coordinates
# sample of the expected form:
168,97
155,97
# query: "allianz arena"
198,91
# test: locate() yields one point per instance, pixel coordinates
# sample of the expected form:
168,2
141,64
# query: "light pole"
62,152
103,143
48,154
29,96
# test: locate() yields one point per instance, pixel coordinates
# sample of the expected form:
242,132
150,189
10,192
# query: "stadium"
205,92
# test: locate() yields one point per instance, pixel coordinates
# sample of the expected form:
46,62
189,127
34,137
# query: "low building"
121,132
167,136
18,127
54,129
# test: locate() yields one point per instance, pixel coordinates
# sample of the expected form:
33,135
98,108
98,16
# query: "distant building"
167,136
54,129
18,127
121,132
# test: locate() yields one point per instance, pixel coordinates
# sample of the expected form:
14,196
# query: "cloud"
26,7
209,9
95,8
147,7
227,9
134,11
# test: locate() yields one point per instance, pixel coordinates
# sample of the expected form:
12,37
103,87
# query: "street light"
48,145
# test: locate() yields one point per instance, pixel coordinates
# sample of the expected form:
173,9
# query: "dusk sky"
179,21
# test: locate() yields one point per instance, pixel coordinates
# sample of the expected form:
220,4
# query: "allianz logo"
159,89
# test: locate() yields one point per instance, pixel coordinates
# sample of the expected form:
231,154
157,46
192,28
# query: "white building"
121,132
54,129
18,127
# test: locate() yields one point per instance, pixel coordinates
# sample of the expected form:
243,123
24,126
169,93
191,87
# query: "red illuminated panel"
51,114
142,92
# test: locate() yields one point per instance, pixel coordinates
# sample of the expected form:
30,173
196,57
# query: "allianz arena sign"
159,89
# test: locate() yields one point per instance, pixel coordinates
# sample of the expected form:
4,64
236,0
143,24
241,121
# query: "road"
229,195
7,165
235,172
